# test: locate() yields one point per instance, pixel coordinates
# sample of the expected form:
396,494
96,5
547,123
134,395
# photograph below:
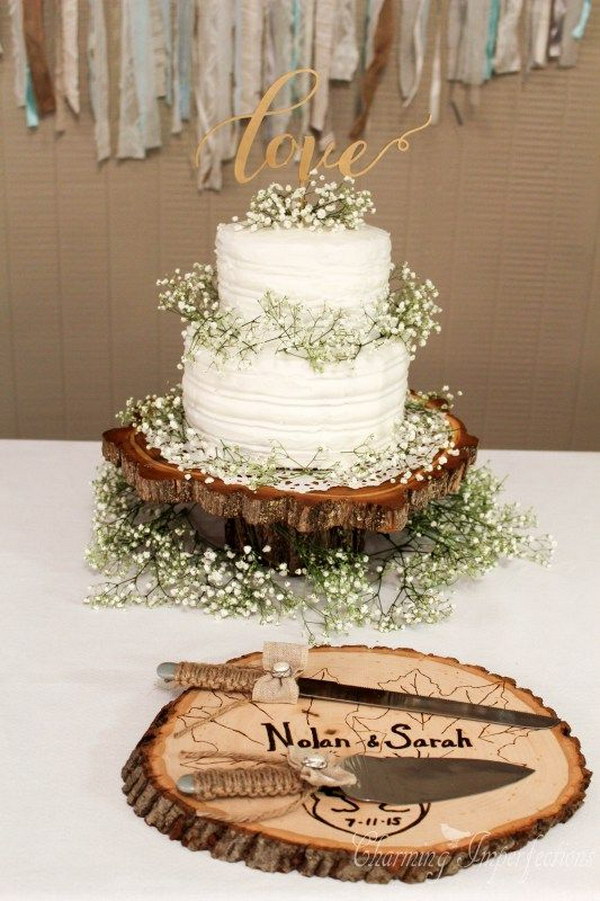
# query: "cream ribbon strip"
325,18
98,68
249,25
344,59
70,45
507,57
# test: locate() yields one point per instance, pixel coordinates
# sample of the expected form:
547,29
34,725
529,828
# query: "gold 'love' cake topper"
283,148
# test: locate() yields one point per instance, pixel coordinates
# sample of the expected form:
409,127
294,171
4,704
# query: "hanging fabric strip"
413,35
374,8
325,13
559,7
473,43
249,25
228,135
570,46
538,28
305,16
185,26
213,64
490,47
31,112
33,27
159,48
144,72
70,42
376,57
176,124
278,57
130,141
344,58
206,87
507,57
435,88
60,118
98,77
165,11
18,50
457,14
579,30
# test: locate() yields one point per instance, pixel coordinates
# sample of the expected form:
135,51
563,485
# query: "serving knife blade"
326,690
398,700
419,780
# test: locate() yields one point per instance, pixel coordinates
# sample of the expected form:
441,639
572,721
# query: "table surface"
79,690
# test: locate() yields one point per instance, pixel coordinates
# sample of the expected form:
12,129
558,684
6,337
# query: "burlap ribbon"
282,662
297,775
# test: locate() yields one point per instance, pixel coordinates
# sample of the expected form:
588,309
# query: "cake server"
397,700
399,780
418,780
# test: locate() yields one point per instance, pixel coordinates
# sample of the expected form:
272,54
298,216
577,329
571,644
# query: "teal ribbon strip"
579,30
31,111
490,47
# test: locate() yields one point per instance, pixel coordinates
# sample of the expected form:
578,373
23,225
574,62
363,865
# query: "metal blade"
417,780
379,697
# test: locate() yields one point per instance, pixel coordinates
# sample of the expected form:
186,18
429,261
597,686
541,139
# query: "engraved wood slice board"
332,835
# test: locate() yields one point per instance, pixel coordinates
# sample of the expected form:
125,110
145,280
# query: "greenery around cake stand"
153,555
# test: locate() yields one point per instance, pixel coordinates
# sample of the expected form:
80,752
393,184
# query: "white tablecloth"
79,691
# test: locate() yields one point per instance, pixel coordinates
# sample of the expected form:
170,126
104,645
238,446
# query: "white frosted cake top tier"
346,268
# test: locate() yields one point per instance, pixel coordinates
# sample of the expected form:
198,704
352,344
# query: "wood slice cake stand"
254,517
332,835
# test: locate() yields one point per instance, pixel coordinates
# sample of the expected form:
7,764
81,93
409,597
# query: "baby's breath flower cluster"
415,442
324,335
317,206
193,294
153,555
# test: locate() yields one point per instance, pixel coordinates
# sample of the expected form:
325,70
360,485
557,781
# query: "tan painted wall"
502,214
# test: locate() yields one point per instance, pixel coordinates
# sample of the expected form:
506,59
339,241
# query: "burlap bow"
325,773
282,662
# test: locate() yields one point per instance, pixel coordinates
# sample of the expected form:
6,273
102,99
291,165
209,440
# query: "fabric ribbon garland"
297,776
212,60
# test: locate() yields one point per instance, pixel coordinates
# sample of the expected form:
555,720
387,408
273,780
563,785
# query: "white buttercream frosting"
280,400
277,400
346,268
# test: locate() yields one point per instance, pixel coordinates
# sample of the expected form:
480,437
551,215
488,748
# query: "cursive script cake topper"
284,148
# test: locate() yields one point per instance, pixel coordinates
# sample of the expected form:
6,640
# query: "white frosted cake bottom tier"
278,401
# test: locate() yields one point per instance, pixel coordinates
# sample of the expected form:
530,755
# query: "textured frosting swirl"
279,399
349,268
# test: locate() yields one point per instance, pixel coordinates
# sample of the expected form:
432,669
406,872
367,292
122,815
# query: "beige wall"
502,214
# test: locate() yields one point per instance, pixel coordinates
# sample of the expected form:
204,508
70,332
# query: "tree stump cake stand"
336,517
331,834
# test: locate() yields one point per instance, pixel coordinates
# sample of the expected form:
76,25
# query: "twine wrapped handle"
281,663
298,775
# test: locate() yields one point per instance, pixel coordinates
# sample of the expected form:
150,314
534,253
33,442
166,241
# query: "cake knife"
325,690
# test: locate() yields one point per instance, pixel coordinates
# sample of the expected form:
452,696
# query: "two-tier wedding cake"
299,345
